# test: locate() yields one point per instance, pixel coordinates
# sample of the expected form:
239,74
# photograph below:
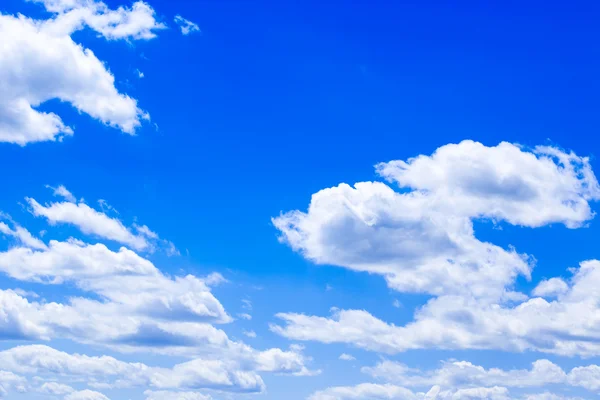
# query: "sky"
225,200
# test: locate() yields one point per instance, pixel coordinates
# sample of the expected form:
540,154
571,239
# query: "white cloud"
137,22
165,395
97,223
62,191
89,221
185,25
86,395
566,326
549,396
346,357
246,304
126,304
39,62
22,235
551,288
245,316
10,382
422,239
463,373
55,388
372,391
506,182
228,374
250,334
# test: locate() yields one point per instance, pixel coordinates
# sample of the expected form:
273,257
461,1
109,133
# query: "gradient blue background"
277,100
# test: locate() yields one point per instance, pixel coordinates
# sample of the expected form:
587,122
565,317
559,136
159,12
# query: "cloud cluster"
39,61
186,25
124,303
422,240
461,380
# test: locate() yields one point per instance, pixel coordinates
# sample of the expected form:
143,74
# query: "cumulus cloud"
63,192
464,374
39,61
372,391
166,395
551,288
564,326
228,373
122,302
9,382
86,395
186,25
421,239
55,388
22,235
97,223
37,65
89,221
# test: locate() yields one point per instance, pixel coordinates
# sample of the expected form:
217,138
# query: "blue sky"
203,134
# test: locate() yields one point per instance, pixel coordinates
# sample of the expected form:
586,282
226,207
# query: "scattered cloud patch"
186,25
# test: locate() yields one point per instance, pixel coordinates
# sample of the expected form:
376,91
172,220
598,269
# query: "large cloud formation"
123,303
39,61
416,231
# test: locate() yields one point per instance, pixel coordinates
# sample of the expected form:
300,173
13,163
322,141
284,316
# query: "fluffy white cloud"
122,302
86,395
567,325
137,22
346,357
63,192
97,223
250,334
22,235
228,373
186,25
551,288
372,391
422,240
367,391
38,64
9,382
549,396
55,388
166,395
91,222
460,374
505,182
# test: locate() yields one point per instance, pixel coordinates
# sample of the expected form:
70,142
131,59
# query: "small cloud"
245,316
346,357
26,293
215,279
139,73
186,25
397,303
62,191
105,207
247,304
170,249
250,334
145,231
